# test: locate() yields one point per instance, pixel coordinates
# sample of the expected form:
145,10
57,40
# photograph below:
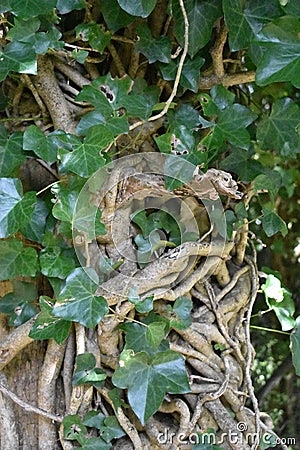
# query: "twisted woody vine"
149,224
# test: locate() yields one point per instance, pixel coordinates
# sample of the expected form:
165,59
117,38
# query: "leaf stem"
269,329
47,187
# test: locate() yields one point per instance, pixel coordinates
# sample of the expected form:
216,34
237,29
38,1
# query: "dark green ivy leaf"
16,209
77,300
65,198
182,311
16,260
244,19
281,129
158,49
86,371
231,127
111,429
66,6
114,16
47,326
202,14
222,97
267,183
272,223
190,75
11,152
27,31
185,116
141,8
35,229
17,57
85,159
35,140
240,163
146,337
292,7
141,99
141,305
74,430
19,304
57,262
31,8
94,34
280,58
148,378
108,426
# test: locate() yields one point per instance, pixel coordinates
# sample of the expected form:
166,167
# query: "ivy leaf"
280,130
277,52
182,311
27,31
141,100
35,140
158,49
93,95
93,33
19,304
265,182
22,314
244,19
185,116
47,326
77,300
111,429
148,378
22,292
114,16
231,127
17,57
141,8
108,426
65,198
11,152
283,308
74,430
222,97
148,338
16,209
240,162
57,262
85,159
66,6
272,223
16,260
86,371
201,16
190,76
295,346
178,171
31,8
141,305
35,228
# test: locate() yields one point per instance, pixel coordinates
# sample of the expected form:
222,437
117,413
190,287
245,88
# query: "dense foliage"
215,83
